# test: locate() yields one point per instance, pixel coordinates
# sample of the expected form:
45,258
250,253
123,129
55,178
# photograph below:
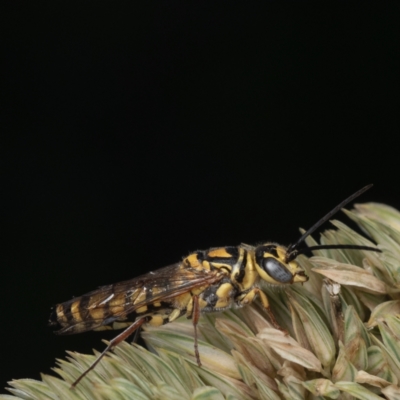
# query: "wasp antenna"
338,246
292,251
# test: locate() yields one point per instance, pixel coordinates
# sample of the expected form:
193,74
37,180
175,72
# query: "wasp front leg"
248,298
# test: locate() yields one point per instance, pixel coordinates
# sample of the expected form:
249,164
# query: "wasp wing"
114,302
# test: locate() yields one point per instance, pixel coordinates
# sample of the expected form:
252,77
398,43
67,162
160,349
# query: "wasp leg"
136,335
118,339
250,296
196,316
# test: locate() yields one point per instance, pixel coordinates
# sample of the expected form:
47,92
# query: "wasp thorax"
272,266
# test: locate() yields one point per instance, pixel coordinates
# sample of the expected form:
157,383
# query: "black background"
134,135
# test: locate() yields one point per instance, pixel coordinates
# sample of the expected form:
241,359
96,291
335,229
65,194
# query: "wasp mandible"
205,281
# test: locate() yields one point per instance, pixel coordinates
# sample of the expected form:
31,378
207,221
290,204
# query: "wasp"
204,281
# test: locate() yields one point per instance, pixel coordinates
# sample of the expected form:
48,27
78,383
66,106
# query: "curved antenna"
292,251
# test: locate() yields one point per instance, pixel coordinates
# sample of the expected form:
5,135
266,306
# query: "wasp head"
273,267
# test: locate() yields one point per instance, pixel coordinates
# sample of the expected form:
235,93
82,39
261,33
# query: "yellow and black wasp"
205,281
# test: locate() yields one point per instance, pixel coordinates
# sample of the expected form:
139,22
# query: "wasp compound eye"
276,270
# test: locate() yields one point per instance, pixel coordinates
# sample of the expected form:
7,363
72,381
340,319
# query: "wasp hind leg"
114,342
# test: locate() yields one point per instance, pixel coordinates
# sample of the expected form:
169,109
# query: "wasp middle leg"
196,316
